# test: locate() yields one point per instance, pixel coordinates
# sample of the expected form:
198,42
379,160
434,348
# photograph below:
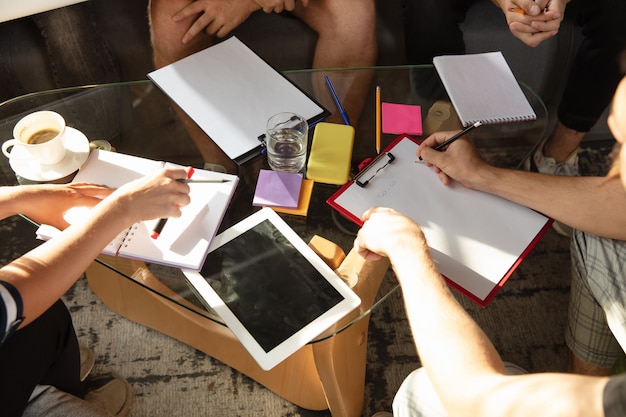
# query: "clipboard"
476,239
230,92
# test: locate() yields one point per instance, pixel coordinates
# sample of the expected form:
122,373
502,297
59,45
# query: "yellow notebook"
331,153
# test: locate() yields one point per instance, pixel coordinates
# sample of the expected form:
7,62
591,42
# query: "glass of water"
287,136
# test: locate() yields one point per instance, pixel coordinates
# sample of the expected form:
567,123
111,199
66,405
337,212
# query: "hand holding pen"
156,232
460,161
451,139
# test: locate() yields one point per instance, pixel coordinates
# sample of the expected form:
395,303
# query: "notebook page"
185,240
482,88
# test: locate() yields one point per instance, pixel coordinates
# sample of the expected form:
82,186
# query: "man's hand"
386,232
279,6
540,21
215,17
459,161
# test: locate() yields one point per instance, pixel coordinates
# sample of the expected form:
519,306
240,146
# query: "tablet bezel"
267,360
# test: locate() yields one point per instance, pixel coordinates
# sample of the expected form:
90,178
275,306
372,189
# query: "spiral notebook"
482,88
184,241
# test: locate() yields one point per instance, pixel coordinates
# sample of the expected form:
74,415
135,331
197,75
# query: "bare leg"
578,366
166,36
562,142
346,39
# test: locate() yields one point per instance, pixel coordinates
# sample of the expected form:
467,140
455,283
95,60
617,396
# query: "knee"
342,18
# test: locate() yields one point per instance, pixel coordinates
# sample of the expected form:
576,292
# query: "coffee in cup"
38,136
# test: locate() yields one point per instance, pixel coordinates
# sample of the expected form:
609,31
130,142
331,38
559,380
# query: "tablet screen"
266,282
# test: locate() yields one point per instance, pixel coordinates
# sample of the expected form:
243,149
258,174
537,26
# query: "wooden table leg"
294,379
326,374
341,360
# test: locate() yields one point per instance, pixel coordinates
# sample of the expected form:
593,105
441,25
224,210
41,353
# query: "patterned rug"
525,321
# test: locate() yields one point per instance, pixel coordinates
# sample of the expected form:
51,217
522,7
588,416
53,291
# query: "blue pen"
344,115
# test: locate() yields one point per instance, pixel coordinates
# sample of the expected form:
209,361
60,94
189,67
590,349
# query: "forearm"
44,274
466,370
455,352
591,204
9,200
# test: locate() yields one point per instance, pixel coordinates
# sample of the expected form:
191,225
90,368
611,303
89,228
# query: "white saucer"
77,146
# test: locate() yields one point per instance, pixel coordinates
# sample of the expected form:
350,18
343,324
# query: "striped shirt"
10,310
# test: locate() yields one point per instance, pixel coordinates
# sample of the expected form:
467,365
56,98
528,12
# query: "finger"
199,25
289,5
191,10
531,7
547,26
227,27
521,28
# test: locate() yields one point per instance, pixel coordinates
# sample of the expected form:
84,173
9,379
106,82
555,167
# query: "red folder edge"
483,303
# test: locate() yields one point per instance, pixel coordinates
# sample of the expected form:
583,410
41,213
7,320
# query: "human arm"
48,203
592,204
45,273
463,365
214,17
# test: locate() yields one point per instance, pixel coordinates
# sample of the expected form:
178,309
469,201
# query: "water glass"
287,136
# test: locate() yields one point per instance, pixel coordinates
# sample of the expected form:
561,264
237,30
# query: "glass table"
137,118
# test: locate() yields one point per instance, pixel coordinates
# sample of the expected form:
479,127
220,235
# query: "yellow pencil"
378,127
516,10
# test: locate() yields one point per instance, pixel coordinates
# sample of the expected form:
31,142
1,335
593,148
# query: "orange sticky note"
402,118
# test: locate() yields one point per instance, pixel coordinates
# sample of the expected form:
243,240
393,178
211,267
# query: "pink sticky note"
277,189
402,118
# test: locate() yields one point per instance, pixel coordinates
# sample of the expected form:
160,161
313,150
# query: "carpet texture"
525,321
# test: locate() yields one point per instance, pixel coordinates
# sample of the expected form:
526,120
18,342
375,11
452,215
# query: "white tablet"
270,288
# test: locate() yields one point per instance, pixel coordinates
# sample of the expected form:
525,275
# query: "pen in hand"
455,137
161,223
342,111
202,180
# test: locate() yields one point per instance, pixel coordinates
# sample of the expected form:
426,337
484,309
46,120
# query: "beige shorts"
596,331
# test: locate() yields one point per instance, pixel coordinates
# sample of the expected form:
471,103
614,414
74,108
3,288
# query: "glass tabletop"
137,118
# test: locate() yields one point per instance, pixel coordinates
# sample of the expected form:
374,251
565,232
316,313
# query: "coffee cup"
38,136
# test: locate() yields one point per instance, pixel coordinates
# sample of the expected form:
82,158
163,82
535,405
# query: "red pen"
156,232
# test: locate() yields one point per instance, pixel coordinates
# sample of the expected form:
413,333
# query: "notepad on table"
184,241
230,92
402,118
476,239
304,201
482,88
277,189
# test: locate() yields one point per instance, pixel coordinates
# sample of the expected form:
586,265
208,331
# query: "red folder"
477,239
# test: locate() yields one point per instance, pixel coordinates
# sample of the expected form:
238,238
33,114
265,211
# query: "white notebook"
184,241
482,88
230,92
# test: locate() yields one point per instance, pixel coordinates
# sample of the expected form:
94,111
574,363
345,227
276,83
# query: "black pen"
156,232
455,137
202,180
